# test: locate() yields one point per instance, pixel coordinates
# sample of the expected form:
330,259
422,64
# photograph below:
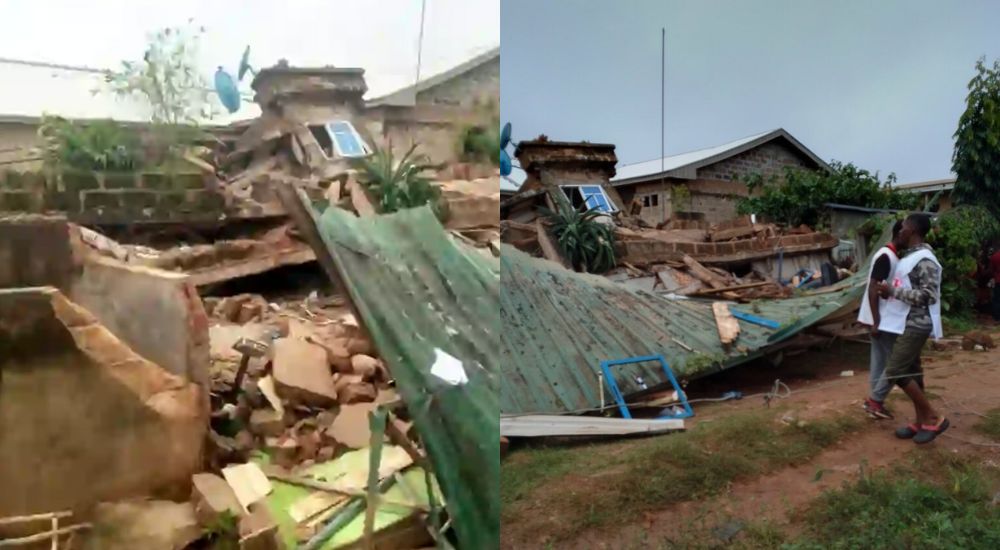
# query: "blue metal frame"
609,379
754,319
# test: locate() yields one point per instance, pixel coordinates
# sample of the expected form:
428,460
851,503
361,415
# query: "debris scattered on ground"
977,340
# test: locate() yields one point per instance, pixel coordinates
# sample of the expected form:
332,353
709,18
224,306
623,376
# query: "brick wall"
92,197
768,160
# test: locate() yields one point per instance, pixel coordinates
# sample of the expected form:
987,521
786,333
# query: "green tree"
958,238
799,196
976,160
168,79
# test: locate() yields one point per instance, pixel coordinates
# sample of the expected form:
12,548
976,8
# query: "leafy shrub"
101,145
481,144
957,238
401,184
585,242
799,196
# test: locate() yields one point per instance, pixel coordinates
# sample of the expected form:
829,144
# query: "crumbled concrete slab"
212,497
83,418
302,374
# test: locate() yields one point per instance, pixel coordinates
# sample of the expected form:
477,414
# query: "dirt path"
960,381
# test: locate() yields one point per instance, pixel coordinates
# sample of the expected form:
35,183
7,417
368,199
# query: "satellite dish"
505,136
245,65
229,94
505,164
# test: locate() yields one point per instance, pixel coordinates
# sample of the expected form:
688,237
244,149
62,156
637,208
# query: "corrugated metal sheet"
417,292
559,325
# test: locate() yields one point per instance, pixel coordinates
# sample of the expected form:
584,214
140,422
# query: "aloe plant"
399,184
585,242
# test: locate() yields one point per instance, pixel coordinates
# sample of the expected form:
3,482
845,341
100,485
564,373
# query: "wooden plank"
555,425
731,288
728,326
359,199
702,273
549,249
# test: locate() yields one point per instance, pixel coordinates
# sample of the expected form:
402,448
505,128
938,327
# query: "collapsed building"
255,408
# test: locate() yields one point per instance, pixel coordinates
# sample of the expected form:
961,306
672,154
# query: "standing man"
883,267
914,314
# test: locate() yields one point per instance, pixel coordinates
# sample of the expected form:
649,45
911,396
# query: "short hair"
896,228
921,222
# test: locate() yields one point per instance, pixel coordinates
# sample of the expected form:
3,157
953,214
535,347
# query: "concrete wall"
769,159
157,313
92,197
82,417
16,141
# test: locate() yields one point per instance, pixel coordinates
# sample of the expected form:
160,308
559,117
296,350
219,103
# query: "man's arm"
924,280
880,272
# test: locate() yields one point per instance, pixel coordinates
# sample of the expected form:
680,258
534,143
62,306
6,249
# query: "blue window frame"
346,140
594,197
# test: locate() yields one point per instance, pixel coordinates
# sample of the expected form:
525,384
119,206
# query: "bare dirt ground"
963,385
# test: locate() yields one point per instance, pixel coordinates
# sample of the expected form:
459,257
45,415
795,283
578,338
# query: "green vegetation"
399,184
481,142
619,482
583,240
990,425
101,145
958,237
799,196
937,500
169,80
976,160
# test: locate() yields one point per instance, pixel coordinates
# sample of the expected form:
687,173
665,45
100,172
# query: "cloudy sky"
880,84
380,36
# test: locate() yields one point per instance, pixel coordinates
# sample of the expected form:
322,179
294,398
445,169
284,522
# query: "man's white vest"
895,311
865,315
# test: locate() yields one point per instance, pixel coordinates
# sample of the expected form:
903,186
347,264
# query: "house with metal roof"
705,184
940,188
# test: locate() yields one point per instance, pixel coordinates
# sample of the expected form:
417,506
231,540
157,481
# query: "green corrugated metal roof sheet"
559,325
417,291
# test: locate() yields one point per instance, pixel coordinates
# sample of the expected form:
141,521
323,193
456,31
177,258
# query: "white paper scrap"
448,368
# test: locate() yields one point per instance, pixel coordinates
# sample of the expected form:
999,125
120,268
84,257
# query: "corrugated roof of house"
31,90
558,325
640,171
405,96
927,186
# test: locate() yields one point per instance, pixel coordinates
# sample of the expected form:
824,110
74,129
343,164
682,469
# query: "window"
339,138
650,200
593,196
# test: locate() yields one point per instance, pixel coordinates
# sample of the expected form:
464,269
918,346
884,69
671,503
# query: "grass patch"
990,426
936,500
616,487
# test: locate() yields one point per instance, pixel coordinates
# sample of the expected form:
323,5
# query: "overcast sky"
880,84
379,36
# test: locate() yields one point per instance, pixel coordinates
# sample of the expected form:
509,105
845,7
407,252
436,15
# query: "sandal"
908,431
928,432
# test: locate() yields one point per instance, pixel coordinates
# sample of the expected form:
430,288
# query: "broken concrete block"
229,308
350,428
146,524
90,383
248,482
360,346
302,374
325,453
356,393
338,355
259,530
212,497
341,381
364,365
250,311
284,450
267,422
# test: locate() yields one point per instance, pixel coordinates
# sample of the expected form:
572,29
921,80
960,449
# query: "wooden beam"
703,274
557,425
730,288
549,249
359,199
728,326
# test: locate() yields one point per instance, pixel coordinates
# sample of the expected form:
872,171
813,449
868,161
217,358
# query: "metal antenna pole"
663,70
420,49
